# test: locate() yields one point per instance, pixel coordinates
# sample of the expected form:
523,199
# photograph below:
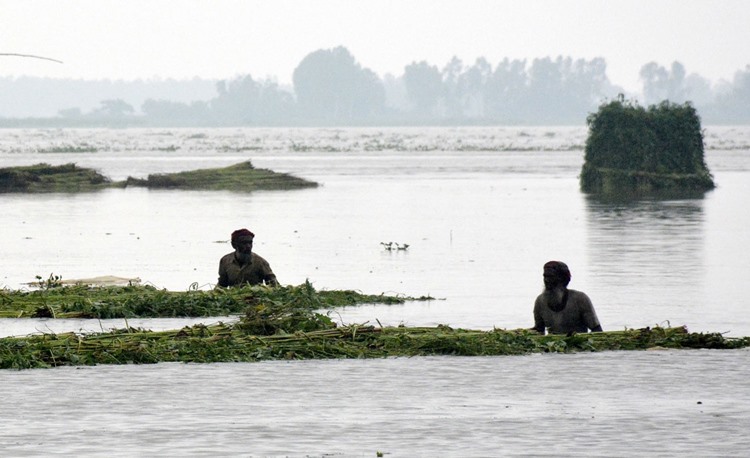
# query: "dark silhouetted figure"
560,310
242,266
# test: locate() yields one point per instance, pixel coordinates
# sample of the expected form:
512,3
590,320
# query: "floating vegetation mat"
230,343
143,301
242,177
290,322
47,178
238,177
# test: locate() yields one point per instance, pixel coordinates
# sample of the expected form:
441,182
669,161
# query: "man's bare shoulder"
578,296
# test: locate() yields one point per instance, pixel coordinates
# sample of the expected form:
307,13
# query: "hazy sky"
133,39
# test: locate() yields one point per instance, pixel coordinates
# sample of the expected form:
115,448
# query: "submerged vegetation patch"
631,150
241,177
51,178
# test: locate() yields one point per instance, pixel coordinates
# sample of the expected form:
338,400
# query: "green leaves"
143,301
633,149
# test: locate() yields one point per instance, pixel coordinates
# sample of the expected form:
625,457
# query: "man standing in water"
242,266
561,310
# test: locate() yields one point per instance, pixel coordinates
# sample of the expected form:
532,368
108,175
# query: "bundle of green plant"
70,178
227,343
48,178
640,151
444,340
238,177
80,301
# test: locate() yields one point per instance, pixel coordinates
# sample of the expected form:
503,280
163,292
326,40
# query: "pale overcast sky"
132,39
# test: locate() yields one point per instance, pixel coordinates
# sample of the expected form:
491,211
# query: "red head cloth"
241,233
560,269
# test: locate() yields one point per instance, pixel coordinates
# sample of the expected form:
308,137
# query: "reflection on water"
642,247
659,238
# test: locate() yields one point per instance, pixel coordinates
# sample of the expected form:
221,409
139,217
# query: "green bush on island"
71,178
633,150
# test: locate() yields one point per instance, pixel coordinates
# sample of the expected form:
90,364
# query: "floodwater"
482,209
656,403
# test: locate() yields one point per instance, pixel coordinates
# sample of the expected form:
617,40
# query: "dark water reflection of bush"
654,244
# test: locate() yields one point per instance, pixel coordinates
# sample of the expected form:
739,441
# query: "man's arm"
271,280
223,277
268,276
589,314
538,321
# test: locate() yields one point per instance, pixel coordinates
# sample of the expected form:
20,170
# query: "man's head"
242,241
556,274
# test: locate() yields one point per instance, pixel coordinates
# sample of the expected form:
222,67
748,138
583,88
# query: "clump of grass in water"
228,343
291,311
70,178
238,177
634,152
144,301
48,178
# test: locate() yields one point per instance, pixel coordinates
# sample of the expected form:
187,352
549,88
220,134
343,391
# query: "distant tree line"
28,96
331,88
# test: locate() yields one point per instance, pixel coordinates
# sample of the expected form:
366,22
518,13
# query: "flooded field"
482,209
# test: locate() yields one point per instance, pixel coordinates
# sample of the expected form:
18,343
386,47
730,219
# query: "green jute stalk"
228,343
81,301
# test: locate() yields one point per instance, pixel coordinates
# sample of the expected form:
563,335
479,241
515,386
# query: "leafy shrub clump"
144,301
633,149
227,343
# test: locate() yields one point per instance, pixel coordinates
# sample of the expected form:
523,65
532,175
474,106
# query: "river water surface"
482,209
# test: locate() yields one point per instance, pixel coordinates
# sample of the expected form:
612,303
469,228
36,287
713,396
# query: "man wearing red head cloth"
560,310
242,266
